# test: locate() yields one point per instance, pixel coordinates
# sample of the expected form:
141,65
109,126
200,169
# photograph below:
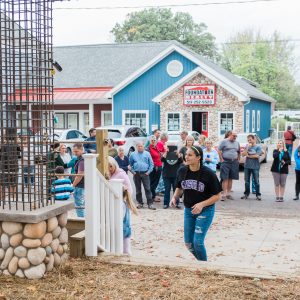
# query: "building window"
67,120
22,118
247,121
60,121
106,118
258,121
136,118
173,121
226,122
253,120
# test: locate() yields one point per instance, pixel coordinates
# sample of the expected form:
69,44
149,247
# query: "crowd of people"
189,170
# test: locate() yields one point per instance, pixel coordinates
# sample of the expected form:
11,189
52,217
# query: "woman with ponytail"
201,189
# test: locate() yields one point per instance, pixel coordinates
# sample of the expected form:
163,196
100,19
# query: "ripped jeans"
195,229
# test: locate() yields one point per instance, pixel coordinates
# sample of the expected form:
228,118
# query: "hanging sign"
203,94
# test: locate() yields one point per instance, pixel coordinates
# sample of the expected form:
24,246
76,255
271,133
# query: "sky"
82,27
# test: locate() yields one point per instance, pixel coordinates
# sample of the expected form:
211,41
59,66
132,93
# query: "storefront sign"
199,94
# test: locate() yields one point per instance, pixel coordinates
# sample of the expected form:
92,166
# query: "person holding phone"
252,153
280,169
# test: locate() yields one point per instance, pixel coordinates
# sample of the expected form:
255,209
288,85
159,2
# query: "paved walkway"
261,235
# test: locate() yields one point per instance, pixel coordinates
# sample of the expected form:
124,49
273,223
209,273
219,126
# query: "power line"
162,6
144,44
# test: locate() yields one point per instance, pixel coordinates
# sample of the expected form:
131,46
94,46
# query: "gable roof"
117,65
103,65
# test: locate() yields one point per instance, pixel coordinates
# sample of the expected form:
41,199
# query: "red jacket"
288,135
155,154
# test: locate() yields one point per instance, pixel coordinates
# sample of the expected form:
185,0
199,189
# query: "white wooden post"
117,185
102,215
91,198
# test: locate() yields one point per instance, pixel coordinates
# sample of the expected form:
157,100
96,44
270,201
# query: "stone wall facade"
31,250
225,102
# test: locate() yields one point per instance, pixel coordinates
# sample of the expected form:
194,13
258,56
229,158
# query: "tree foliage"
269,64
157,24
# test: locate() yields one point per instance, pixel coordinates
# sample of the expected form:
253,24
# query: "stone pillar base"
29,250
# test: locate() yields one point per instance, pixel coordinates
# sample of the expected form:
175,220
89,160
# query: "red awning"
80,94
62,94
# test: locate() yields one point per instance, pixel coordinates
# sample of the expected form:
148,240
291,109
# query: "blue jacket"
141,162
297,158
89,147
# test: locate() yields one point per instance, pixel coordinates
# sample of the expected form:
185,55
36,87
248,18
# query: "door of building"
200,122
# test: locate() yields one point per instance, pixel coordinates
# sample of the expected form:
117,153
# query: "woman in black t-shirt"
201,189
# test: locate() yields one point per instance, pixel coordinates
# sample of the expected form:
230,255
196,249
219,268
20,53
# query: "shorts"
279,179
230,170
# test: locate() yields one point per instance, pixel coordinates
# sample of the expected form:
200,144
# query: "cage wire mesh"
26,116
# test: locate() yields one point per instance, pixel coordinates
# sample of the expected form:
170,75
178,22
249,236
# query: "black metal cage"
26,95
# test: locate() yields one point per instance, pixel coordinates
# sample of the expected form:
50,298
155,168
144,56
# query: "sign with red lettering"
202,94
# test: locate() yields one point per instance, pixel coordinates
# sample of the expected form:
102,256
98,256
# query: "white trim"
91,115
102,116
205,70
140,71
176,85
166,118
219,120
258,120
253,121
136,111
247,121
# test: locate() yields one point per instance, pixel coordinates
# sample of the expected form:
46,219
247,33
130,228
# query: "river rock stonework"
31,250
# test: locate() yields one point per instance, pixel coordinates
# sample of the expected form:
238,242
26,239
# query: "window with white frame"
247,121
136,118
258,120
173,121
226,122
60,121
22,120
253,121
106,118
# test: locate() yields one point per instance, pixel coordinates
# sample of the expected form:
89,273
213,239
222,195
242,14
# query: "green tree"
158,24
267,61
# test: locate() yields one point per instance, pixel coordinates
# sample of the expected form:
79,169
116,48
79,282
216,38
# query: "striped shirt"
62,188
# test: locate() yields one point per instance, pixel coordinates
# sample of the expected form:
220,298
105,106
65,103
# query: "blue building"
168,86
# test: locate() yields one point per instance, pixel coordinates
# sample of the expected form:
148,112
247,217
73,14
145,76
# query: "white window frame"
124,112
80,113
253,121
247,121
23,112
258,120
103,112
167,119
219,120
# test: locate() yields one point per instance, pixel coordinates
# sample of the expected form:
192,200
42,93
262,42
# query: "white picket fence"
103,211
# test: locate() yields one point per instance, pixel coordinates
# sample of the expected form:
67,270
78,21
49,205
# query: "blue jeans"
195,229
289,148
255,177
169,182
79,201
29,174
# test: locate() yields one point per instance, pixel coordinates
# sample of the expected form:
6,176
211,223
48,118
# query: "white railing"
103,211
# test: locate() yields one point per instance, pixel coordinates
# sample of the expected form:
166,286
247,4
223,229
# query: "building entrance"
200,122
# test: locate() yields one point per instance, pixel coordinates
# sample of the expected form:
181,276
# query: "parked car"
126,136
70,136
174,136
242,139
